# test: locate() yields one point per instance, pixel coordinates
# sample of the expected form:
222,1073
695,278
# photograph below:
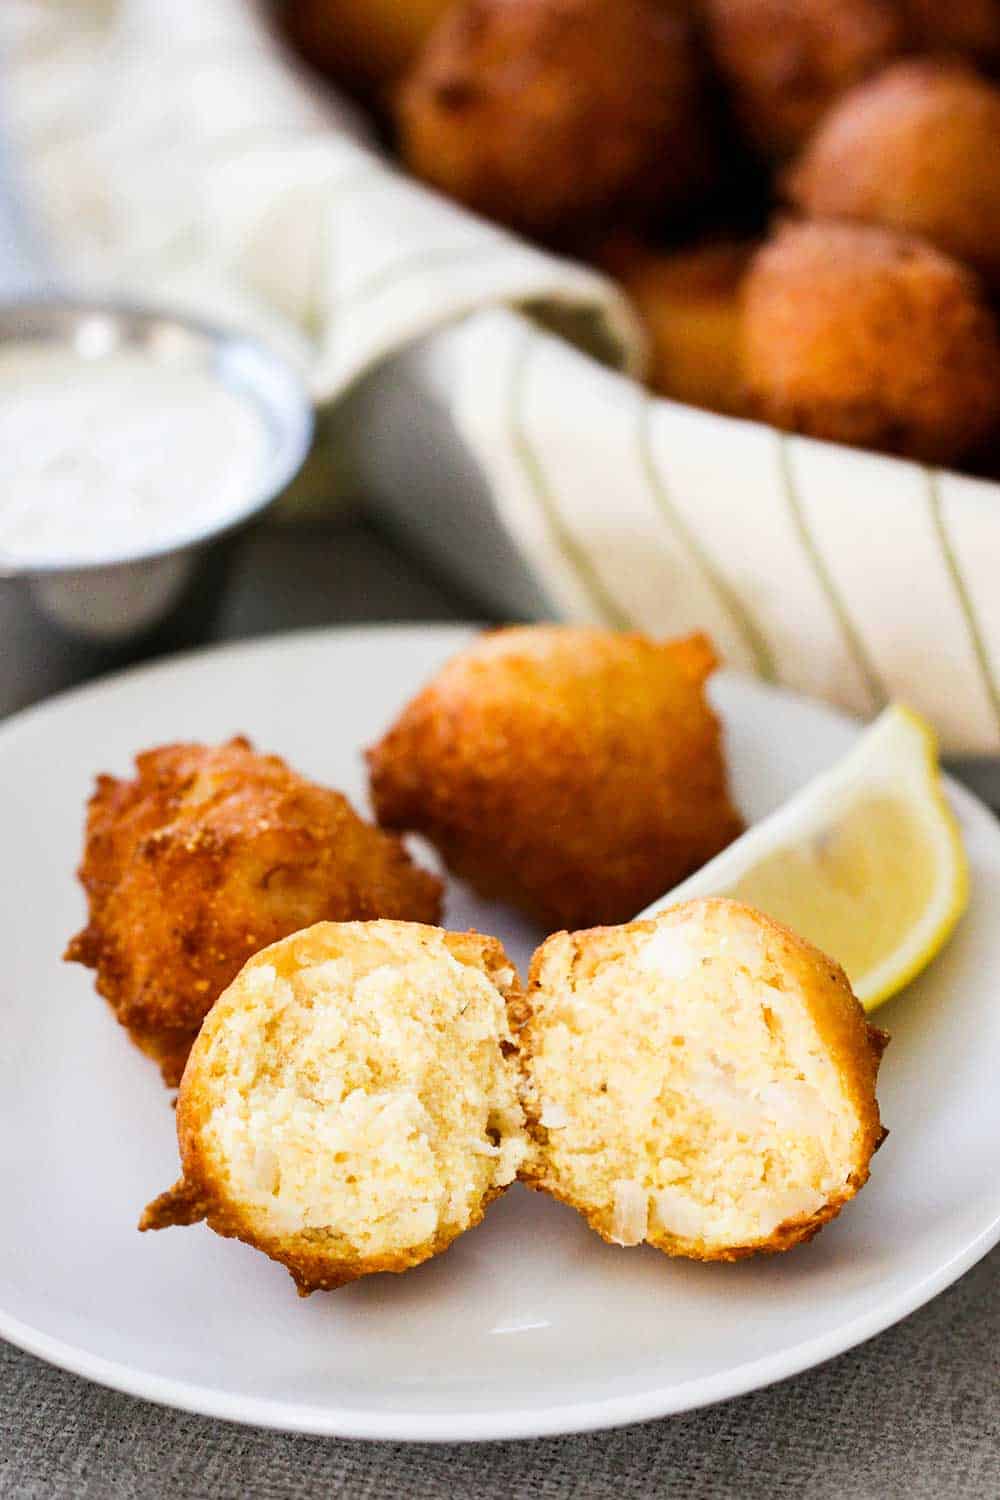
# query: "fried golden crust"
863,336
204,857
689,303
786,61
915,149
854,1047
203,1192
555,116
573,772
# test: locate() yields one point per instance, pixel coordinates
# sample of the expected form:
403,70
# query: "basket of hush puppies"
803,200
802,203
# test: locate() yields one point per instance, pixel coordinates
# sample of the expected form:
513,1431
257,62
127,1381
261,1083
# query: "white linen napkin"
170,151
174,151
839,573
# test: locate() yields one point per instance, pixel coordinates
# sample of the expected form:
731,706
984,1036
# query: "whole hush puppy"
863,336
785,61
208,854
558,116
916,149
575,773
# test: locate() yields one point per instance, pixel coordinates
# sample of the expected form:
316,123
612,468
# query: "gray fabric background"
915,1414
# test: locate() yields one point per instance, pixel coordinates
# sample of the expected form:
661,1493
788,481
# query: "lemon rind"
946,907
901,740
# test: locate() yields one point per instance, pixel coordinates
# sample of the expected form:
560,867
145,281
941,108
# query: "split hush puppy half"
204,857
703,1082
351,1103
555,116
860,335
916,149
785,61
576,773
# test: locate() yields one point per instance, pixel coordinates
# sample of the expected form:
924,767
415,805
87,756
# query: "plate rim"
564,1418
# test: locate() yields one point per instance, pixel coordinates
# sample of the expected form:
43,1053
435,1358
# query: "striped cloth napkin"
172,152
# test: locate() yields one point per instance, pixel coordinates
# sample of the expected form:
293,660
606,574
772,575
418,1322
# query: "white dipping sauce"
116,456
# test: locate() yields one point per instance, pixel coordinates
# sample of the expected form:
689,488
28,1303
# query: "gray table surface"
914,1413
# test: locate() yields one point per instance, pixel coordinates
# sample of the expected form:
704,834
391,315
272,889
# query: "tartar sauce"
119,455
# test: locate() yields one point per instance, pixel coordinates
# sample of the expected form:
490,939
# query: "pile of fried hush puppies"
357,1083
802,197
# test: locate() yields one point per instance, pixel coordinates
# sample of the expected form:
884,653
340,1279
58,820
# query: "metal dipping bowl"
122,598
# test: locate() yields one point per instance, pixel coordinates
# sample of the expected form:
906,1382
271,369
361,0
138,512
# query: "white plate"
529,1325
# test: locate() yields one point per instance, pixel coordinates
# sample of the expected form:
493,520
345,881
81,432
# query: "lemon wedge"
866,861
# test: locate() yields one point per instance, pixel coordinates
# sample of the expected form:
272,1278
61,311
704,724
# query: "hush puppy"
785,61
575,773
863,336
206,856
703,1082
916,149
689,303
556,116
351,1104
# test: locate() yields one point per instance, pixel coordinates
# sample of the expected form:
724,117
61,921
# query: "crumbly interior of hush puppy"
368,1103
681,1089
